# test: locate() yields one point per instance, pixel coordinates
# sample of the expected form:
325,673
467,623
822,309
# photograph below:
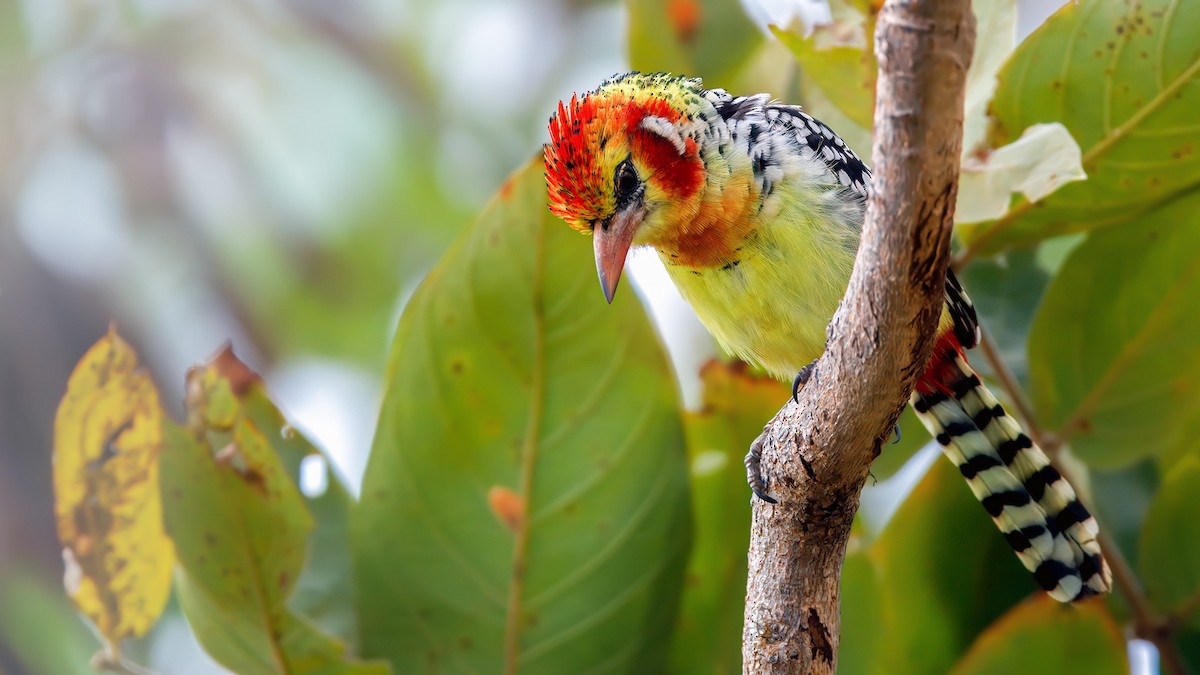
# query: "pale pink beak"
612,244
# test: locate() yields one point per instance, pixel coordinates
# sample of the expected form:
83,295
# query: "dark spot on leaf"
255,479
210,538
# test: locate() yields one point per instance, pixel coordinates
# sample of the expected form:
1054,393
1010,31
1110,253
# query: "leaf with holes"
1124,77
325,585
1044,636
712,39
241,530
1169,552
526,502
106,498
1113,357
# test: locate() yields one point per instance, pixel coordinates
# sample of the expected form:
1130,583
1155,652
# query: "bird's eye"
626,182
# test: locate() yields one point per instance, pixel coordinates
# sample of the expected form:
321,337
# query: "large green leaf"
945,573
1113,353
1169,554
862,611
525,507
735,407
712,39
1124,77
1044,636
240,529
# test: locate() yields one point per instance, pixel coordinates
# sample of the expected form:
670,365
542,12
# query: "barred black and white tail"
1032,504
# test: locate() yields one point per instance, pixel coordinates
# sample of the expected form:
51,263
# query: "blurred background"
275,174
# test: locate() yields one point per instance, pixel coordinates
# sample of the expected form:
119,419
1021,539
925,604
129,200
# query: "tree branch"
817,454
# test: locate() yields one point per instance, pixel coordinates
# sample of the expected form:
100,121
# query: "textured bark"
817,454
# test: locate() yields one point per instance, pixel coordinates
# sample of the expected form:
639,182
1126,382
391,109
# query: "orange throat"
714,235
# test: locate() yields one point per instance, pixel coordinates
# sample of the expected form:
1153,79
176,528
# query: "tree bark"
817,454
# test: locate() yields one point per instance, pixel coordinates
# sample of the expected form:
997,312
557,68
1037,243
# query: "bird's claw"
754,471
897,438
802,377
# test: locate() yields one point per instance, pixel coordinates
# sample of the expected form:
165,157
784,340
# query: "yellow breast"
769,305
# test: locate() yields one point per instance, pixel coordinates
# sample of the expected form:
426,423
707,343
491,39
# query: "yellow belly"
772,305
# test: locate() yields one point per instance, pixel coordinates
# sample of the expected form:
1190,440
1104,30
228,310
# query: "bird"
756,209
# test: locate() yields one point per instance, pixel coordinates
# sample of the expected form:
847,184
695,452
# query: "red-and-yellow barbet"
755,208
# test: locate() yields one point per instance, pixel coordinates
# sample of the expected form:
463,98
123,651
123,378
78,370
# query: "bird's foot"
802,377
754,470
897,430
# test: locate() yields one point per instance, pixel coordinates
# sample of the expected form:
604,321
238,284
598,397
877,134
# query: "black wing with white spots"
824,143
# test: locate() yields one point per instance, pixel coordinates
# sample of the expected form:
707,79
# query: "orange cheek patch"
713,238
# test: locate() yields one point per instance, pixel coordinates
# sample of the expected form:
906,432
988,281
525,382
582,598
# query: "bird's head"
624,164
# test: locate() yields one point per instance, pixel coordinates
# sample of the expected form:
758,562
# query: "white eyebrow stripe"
661,126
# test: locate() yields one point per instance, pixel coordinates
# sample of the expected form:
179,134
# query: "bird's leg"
754,470
754,458
802,377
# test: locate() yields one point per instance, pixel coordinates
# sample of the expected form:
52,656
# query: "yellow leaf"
107,436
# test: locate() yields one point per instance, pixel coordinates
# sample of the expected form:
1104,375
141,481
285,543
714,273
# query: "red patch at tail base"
941,372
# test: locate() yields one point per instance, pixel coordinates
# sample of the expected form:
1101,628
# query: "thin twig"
1186,609
1047,441
1148,624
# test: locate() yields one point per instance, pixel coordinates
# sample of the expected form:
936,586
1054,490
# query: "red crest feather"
574,184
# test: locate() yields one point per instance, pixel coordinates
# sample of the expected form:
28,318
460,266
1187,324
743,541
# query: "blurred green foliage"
536,497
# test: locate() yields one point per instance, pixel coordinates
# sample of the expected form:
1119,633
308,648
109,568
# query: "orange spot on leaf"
506,189
685,18
508,506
